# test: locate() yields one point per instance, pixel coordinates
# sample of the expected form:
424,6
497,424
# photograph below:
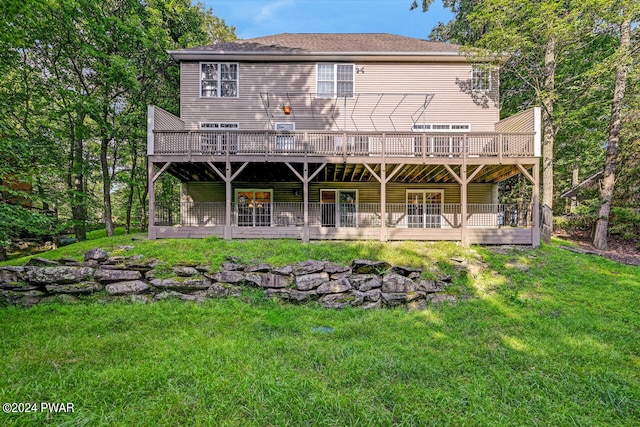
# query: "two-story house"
342,136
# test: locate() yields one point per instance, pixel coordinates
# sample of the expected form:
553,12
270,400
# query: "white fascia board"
150,125
329,56
537,126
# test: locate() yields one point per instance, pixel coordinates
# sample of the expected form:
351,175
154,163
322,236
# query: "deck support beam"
151,226
464,181
383,179
305,178
535,231
228,176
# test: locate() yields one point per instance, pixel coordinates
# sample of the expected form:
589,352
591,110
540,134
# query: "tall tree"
625,12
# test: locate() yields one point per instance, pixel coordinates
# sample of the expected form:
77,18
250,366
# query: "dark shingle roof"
310,43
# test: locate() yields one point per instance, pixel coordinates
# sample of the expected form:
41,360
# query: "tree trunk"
132,177
79,198
611,162
575,180
548,132
106,185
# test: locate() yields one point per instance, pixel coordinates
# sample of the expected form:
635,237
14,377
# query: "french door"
254,207
424,208
339,208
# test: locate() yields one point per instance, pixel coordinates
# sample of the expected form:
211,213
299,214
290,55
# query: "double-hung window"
481,77
218,80
335,80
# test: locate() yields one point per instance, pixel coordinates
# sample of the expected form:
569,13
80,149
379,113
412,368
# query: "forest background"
76,77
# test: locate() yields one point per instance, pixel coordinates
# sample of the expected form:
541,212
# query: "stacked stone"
366,284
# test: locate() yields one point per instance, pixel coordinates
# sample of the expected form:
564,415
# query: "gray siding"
163,120
521,122
263,88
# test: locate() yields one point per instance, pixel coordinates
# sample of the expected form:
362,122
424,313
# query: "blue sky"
254,18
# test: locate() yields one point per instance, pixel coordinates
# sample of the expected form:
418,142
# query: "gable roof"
324,45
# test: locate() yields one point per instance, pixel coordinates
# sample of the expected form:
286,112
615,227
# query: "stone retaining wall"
366,284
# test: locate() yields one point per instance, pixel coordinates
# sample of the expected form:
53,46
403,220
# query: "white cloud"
268,11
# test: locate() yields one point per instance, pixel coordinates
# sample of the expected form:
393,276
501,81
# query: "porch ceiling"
342,172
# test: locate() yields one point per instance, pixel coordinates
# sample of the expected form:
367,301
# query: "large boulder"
274,281
11,274
334,287
232,277
254,280
187,285
430,286
337,271
311,281
365,282
342,300
258,268
308,267
185,271
232,266
365,266
127,288
26,298
74,288
395,283
370,295
96,255
297,296
111,276
61,274
219,290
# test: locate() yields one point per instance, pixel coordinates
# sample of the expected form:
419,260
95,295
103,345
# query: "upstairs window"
335,80
481,77
218,80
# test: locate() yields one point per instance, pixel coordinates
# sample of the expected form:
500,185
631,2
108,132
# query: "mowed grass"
547,337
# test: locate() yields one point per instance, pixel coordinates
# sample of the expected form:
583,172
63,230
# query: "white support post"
152,202
227,201
463,206
535,231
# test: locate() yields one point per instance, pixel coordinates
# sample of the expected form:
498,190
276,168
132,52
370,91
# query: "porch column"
305,178
535,231
464,236
305,199
228,176
383,179
151,228
383,203
227,201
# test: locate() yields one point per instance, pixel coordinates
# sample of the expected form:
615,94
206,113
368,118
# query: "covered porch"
375,201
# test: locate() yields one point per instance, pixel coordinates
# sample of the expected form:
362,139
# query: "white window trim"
290,125
428,127
428,190
219,80
481,67
335,80
231,126
255,190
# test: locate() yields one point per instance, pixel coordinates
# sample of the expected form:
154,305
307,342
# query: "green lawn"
548,338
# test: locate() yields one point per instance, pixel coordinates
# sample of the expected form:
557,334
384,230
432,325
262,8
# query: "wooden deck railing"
358,215
392,144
